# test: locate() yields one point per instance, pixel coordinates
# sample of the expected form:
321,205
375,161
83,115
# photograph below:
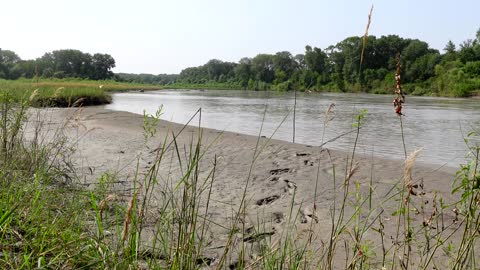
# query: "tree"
450,52
25,68
243,71
262,67
472,68
8,60
315,59
423,67
336,61
349,51
194,75
414,50
216,69
469,51
46,64
386,49
412,57
450,47
300,60
71,62
102,65
284,63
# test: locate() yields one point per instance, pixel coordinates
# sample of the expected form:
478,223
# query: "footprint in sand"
267,200
308,162
308,216
277,217
273,178
280,171
290,186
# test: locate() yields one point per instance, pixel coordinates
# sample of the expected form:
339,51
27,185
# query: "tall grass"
49,221
66,92
163,221
42,218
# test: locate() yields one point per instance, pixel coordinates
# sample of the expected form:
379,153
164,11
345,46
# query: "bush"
284,86
472,68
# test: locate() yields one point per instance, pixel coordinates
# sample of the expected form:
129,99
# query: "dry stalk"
365,35
58,91
103,204
78,102
76,119
128,217
329,114
400,98
407,171
33,95
351,172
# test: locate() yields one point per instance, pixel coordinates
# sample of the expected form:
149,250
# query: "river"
436,124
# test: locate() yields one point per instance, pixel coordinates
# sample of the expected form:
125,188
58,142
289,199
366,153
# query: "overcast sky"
166,36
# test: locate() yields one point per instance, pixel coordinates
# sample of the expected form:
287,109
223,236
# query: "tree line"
425,71
455,72
161,79
57,64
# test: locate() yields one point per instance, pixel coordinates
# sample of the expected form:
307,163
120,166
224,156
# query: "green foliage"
65,92
467,183
161,79
243,72
8,60
47,222
315,59
41,219
150,122
262,67
472,69
450,47
57,64
359,118
336,68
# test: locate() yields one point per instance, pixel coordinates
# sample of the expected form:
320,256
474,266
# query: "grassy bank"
66,92
445,88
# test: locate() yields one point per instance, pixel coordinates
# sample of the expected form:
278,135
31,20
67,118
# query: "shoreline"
281,181
377,136
134,124
165,87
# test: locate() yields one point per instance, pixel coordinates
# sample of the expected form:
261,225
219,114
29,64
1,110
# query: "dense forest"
425,71
57,64
161,79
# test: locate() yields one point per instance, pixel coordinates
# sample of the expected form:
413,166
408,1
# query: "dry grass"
409,162
365,35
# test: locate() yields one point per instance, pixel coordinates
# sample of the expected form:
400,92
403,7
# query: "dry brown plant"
128,217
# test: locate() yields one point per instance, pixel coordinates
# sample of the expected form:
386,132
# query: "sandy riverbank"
284,174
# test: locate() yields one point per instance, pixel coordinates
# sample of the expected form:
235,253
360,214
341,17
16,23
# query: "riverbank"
288,193
66,92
